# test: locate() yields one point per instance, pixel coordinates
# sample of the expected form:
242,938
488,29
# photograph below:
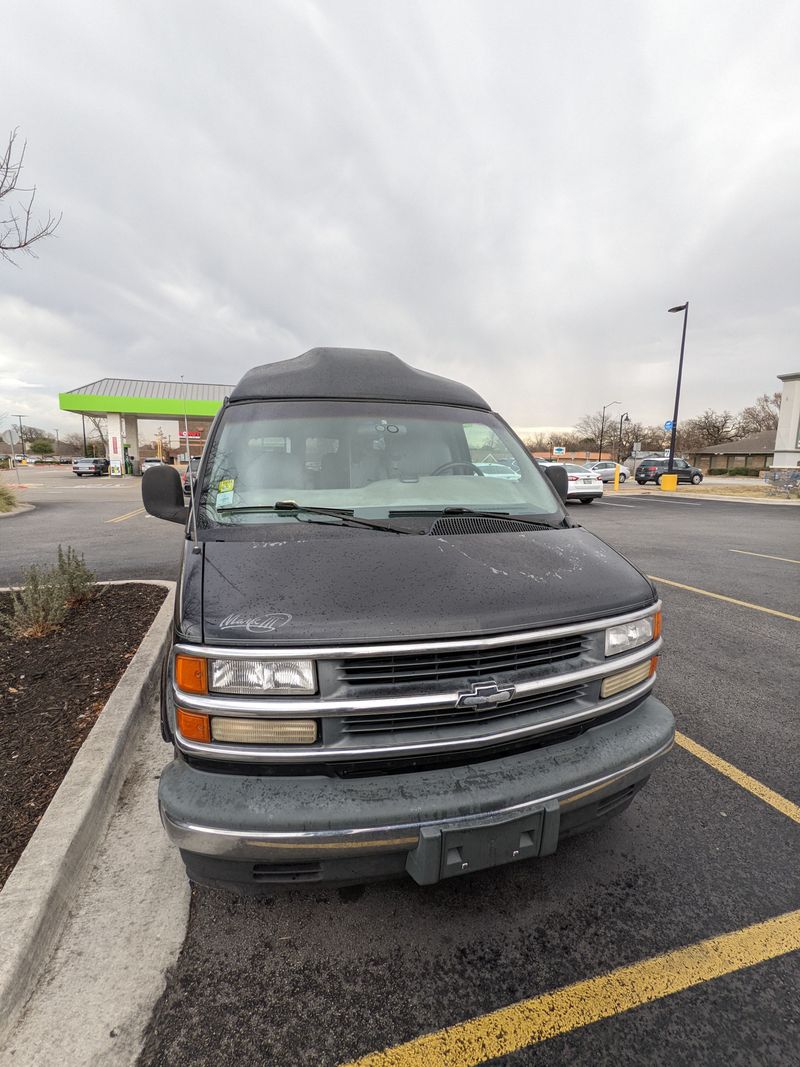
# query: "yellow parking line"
727,599
752,785
529,1022
763,555
128,515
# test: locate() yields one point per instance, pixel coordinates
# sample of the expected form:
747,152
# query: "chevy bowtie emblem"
483,694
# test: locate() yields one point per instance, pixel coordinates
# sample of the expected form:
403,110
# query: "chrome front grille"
473,663
415,720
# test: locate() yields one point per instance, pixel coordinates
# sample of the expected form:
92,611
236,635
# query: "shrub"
7,498
76,577
39,607
746,472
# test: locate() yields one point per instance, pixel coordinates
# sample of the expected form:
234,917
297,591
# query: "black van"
386,659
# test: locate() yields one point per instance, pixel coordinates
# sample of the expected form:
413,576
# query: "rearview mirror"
162,494
559,479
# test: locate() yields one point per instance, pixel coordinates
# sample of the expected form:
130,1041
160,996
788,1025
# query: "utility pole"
21,438
83,422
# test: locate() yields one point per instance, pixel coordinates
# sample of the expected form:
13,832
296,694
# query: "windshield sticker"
224,500
226,485
255,624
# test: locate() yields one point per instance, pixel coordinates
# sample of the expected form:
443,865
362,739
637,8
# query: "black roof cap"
352,374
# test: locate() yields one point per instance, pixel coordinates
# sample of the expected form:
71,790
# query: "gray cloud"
510,193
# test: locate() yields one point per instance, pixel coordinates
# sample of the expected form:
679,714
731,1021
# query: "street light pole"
83,423
622,418
685,309
603,426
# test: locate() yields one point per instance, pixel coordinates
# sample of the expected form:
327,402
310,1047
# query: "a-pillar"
132,441
115,442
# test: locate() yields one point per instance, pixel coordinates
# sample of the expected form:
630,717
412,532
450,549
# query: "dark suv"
651,470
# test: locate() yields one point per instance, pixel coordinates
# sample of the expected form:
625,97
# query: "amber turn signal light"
193,726
657,625
191,674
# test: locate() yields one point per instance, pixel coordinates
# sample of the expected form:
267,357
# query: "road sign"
559,451
668,424
637,447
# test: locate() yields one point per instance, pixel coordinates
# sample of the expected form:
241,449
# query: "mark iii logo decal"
485,694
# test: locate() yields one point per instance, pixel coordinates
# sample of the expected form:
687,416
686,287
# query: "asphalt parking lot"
708,852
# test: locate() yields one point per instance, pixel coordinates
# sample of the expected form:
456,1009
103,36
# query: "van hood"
351,586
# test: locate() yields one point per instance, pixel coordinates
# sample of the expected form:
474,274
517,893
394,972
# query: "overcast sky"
510,193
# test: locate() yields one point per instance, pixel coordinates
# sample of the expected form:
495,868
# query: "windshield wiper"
479,514
291,507
501,515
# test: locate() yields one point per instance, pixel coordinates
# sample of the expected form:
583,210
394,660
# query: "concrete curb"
18,510
36,900
716,496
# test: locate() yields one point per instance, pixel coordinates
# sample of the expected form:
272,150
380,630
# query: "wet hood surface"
356,586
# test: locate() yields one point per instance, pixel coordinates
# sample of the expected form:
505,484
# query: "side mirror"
559,479
162,494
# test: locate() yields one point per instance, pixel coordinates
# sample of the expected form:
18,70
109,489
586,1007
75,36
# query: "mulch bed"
51,691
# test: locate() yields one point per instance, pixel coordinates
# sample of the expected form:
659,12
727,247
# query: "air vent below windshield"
451,525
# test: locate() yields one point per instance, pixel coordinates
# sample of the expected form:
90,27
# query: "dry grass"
759,491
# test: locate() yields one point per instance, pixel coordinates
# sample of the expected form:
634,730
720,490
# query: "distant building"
755,452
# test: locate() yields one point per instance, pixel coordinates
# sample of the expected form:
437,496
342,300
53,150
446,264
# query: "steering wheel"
445,467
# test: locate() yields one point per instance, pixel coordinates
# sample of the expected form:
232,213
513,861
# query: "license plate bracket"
475,846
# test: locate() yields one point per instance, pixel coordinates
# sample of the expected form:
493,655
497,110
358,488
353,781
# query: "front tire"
587,500
658,480
697,479
622,478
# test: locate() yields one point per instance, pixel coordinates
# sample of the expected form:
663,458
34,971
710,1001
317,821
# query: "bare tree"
763,415
99,431
710,428
19,228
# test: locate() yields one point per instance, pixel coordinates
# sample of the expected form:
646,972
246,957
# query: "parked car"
582,484
151,461
652,470
383,663
497,470
193,466
605,468
95,466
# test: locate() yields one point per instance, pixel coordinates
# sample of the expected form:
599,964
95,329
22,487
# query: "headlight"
632,634
290,676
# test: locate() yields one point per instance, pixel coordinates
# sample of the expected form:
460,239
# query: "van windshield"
371,459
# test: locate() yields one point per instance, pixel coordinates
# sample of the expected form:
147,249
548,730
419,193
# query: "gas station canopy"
131,396
123,401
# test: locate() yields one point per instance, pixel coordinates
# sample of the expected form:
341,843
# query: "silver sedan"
605,468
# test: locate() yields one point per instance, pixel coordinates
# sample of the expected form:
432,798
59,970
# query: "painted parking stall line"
726,599
530,1022
127,515
763,555
752,785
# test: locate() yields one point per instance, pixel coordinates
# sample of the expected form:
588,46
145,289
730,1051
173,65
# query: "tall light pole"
685,309
57,445
603,426
622,418
83,424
